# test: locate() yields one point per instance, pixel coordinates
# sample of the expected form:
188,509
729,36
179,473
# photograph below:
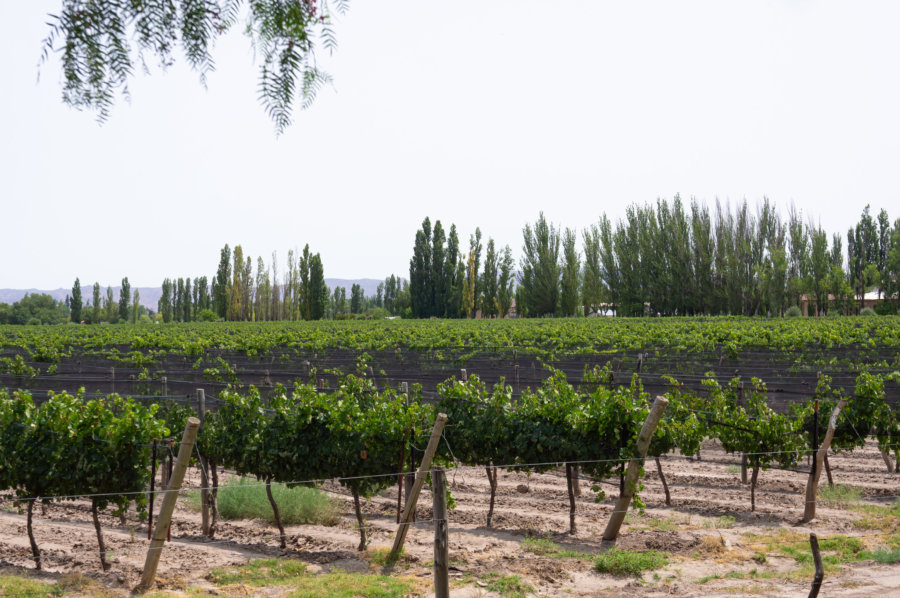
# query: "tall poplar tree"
95,304
437,275
75,303
475,251
489,291
453,276
318,290
570,280
592,280
124,300
222,282
236,290
506,282
420,284
135,306
539,285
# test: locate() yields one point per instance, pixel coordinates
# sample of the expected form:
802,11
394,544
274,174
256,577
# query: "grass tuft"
12,585
246,499
839,494
508,586
628,562
723,522
540,546
292,573
887,556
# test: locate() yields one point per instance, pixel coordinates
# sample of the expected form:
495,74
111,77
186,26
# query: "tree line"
666,259
659,259
237,292
445,282
37,309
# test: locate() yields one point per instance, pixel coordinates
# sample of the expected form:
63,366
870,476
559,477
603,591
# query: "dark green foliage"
222,283
357,299
570,284
318,291
34,309
75,304
68,447
538,291
164,307
421,285
124,300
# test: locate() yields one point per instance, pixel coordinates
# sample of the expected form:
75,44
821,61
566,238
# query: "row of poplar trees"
666,259
102,307
238,294
445,282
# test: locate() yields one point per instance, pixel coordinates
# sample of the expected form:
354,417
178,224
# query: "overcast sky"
478,113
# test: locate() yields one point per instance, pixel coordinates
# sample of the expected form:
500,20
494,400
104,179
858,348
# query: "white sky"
473,112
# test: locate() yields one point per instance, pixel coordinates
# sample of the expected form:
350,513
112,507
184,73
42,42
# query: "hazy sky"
479,113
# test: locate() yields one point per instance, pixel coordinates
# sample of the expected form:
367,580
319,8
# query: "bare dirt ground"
715,545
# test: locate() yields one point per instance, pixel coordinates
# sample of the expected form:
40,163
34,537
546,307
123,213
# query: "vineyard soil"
714,545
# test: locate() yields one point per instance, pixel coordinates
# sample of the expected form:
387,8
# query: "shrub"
207,315
793,312
867,311
884,308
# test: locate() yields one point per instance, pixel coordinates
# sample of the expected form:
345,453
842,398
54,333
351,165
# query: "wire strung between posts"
315,481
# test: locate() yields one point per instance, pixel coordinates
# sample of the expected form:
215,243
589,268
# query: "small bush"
793,312
628,562
867,311
246,499
207,315
884,308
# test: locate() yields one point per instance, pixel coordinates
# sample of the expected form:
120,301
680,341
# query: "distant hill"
150,295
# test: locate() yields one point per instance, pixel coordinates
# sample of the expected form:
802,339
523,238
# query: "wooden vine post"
204,468
812,484
441,534
820,570
634,469
413,495
168,505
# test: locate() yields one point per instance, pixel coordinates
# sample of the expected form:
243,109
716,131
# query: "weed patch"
285,572
508,586
629,562
246,499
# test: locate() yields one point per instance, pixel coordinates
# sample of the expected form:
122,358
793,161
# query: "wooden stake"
634,469
204,469
441,534
812,484
569,483
492,480
168,505
413,495
662,478
820,570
